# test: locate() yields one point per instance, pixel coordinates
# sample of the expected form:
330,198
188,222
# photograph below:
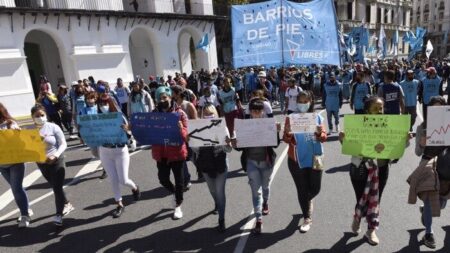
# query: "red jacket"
173,153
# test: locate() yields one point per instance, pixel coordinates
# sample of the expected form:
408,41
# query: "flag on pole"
382,47
396,42
203,44
429,49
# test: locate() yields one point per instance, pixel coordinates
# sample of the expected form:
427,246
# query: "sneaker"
30,213
428,240
421,215
337,129
24,221
258,228
58,220
67,209
265,209
104,175
221,228
178,214
356,226
372,238
136,193
306,226
187,187
118,212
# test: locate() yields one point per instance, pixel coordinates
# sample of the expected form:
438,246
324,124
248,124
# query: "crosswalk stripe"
8,197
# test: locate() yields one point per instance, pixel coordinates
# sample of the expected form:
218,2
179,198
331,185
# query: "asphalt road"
147,226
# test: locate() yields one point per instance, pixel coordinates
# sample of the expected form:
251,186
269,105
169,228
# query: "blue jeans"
216,187
259,177
14,176
427,216
330,115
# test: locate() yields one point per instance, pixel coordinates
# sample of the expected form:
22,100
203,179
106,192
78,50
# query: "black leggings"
307,181
359,185
164,168
54,174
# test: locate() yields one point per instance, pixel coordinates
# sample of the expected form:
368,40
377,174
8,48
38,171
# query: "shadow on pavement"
413,244
265,240
178,239
341,245
446,247
342,168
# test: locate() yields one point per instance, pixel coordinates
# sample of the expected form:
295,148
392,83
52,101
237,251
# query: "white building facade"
68,40
433,15
393,15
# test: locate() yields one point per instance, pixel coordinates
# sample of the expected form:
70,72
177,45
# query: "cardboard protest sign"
156,128
303,122
375,136
255,132
207,132
438,126
104,128
19,146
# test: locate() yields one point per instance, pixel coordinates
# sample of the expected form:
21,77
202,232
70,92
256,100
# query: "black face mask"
163,105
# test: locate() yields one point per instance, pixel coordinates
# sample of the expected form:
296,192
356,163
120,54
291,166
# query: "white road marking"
8,197
86,170
251,218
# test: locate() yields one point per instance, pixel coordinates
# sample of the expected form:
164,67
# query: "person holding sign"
54,168
305,155
260,161
171,158
369,177
212,162
14,173
116,158
332,100
431,180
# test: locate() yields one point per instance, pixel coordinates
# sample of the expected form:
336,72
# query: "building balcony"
149,6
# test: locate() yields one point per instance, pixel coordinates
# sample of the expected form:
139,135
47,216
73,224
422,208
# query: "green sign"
375,136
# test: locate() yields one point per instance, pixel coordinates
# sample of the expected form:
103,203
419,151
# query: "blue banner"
104,128
156,128
280,32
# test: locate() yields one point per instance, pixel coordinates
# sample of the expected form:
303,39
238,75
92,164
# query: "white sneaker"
337,129
67,209
24,221
58,220
178,214
306,225
30,213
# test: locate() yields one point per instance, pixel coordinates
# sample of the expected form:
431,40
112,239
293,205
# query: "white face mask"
104,108
40,120
303,107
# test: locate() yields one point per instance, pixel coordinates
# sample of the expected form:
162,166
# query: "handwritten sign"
303,122
375,136
207,132
99,129
438,126
156,128
255,132
19,146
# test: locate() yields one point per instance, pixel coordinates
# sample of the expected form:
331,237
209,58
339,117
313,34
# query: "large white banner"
438,126
255,132
207,132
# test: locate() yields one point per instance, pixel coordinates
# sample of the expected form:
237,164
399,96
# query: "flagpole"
282,32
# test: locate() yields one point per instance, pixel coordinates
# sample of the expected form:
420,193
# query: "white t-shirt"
122,94
292,94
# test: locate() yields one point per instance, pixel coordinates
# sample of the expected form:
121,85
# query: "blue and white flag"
280,32
360,37
203,44
445,40
395,43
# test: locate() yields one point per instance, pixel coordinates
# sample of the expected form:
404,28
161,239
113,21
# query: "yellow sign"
18,146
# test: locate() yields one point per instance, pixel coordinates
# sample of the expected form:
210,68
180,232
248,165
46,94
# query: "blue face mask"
303,107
